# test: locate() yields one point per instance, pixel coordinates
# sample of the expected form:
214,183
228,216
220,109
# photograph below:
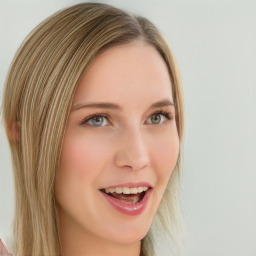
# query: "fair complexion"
121,130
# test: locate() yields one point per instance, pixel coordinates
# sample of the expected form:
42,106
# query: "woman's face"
120,147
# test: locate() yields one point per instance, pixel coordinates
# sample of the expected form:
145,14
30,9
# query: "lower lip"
127,208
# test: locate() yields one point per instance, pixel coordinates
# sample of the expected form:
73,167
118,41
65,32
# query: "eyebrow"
162,103
109,105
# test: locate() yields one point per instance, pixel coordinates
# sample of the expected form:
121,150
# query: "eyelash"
165,114
87,119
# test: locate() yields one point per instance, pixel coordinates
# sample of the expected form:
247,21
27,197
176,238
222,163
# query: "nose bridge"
132,151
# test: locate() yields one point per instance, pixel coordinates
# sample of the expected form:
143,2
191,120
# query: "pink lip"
128,208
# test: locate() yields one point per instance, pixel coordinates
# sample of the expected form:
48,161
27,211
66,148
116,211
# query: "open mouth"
125,194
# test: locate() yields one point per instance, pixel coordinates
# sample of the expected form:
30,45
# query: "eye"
159,117
97,120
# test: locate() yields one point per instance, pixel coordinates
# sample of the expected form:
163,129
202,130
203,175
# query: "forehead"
131,71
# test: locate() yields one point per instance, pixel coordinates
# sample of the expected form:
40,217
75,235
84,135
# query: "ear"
13,131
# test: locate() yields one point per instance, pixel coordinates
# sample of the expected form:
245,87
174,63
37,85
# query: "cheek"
80,154
164,155
81,163
166,152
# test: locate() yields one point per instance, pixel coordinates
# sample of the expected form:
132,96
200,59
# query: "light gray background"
215,44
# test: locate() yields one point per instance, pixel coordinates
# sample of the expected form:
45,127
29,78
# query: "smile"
128,200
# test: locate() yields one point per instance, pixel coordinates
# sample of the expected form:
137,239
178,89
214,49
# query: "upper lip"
131,185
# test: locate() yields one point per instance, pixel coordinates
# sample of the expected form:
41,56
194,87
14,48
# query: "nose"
132,151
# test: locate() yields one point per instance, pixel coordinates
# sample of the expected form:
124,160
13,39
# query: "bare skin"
131,138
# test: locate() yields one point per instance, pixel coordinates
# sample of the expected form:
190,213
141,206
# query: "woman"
94,116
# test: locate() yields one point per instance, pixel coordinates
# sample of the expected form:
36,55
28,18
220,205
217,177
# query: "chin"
127,238
130,232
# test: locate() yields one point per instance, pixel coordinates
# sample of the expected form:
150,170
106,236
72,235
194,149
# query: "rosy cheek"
77,170
83,154
170,153
166,155
77,157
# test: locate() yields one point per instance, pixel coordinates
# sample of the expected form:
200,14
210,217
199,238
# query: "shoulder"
3,249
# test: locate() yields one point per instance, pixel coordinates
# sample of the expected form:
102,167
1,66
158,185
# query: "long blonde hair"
38,94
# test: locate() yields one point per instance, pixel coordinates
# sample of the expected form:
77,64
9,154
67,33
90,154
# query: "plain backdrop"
215,45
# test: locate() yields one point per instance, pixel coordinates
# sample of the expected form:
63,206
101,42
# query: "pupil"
98,120
155,119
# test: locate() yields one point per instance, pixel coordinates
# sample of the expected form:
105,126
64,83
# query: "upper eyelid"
162,111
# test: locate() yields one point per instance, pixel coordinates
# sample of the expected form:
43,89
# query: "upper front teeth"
126,190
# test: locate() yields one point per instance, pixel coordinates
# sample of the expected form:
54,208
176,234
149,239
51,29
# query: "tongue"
130,198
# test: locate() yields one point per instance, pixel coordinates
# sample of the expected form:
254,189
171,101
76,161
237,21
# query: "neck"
97,247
